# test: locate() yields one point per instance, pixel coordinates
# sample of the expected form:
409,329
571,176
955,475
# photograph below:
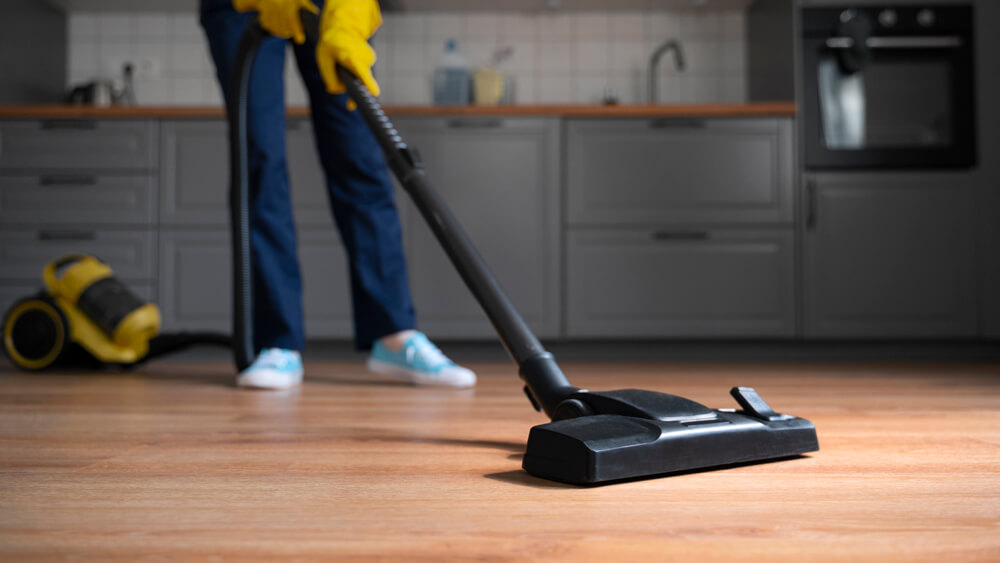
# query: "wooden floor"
172,462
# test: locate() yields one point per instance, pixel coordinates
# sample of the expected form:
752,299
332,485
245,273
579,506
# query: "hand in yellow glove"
279,17
344,31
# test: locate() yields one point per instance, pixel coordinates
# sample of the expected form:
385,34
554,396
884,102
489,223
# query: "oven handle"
918,42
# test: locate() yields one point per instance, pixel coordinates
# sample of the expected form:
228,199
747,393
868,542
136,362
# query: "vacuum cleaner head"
643,434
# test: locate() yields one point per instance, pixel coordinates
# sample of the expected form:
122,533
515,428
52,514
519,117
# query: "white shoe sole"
461,378
265,379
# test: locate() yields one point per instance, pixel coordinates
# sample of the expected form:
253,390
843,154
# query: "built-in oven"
888,87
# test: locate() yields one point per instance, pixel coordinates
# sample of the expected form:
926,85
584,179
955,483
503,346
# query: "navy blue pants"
358,184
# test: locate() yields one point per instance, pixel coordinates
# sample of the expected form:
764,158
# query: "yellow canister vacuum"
86,313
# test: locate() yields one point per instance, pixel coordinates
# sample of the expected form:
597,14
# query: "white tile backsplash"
557,58
482,27
82,27
518,28
116,27
591,57
152,27
591,26
555,88
441,27
627,27
554,27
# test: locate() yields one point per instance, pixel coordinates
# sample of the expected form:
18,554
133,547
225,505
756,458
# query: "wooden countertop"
193,112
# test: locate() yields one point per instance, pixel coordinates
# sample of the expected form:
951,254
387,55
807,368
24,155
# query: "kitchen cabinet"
679,171
195,174
672,283
889,256
77,144
25,253
77,186
500,178
680,228
196,282
195,290
55,199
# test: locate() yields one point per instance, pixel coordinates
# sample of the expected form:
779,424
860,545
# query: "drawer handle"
674,123
66,235
74,124
475,123
68,180
680,235
812,210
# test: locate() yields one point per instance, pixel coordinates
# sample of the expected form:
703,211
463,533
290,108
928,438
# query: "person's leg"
276,277
363,204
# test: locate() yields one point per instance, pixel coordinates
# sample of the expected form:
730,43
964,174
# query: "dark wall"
988,173
770,50
32,52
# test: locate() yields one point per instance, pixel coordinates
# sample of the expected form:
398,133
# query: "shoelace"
428,352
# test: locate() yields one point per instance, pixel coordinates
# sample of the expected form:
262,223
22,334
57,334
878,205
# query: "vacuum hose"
239,195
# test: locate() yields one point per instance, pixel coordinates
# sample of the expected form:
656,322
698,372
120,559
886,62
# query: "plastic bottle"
451,78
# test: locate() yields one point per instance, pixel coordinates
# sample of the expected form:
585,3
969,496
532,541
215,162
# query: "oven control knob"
888,18
926,17
848,15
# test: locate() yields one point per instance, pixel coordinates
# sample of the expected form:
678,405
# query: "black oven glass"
891,104
887,98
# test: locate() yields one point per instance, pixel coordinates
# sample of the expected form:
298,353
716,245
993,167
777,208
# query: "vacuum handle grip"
310,26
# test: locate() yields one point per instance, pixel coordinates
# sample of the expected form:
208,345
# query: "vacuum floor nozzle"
645,434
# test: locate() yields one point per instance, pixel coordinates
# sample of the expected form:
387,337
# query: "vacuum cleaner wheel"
35,333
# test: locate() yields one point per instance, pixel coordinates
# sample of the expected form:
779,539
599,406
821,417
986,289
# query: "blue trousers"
358,184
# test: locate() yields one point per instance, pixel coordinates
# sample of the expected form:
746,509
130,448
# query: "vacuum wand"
546,386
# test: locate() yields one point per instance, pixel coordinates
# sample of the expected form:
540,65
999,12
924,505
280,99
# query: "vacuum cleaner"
593,437
86,317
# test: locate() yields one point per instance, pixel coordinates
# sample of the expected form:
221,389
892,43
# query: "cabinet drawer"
637,283
23,254
79,144
196,292
77,199
194,174
652,171
11,293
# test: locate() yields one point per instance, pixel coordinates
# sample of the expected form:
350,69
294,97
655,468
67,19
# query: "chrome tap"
654,62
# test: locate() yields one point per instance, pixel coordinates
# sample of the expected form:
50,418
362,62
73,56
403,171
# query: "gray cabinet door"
195,283
194,174
326,290
680,283
660,171
82,144
24,254
500,179
888,255
195,288
77,199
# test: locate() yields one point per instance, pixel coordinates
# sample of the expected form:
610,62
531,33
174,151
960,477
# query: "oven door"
895,102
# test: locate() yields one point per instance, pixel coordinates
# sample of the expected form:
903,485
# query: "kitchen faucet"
654,62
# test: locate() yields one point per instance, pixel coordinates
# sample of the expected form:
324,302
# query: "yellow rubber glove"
344,31
279,17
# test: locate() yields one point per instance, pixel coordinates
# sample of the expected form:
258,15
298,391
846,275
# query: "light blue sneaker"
420,363
274,368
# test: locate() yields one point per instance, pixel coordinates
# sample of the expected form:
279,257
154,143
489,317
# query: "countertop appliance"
888,87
